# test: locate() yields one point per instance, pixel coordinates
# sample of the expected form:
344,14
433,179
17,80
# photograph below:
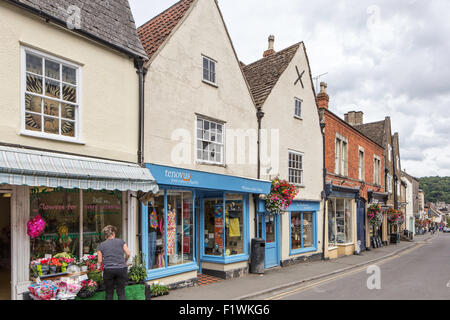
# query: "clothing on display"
235,228
153,220
171,231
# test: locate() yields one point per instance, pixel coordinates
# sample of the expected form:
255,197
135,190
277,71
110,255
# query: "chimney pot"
270,51
323,98
354,118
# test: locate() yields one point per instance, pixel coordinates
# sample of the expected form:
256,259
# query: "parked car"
447,230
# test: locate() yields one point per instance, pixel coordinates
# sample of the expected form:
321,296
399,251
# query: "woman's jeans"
115,279
151,249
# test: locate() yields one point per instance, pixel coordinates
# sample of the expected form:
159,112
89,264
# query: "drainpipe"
322,127
141,71
259,116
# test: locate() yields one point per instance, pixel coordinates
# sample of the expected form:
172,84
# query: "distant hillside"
436,188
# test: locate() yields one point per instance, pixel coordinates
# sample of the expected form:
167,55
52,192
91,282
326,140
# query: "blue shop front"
297,228
198,223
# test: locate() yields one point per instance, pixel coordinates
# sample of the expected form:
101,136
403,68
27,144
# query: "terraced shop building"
69,142
354,180
197,105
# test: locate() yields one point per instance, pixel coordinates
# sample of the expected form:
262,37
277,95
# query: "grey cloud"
384,57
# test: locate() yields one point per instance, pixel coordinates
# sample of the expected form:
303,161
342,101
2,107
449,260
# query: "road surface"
422,272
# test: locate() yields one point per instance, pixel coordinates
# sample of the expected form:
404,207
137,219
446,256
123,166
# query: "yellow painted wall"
109,87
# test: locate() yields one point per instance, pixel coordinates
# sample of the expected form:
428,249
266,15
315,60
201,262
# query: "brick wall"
336,126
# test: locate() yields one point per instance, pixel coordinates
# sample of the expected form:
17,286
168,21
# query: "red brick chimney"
271,50
323,98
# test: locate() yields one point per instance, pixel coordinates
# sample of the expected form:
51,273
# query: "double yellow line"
343,275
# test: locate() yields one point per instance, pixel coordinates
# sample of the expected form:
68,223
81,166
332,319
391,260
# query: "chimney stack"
270,51
354,118
323,98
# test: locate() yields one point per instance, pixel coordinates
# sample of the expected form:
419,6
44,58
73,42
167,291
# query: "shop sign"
199,179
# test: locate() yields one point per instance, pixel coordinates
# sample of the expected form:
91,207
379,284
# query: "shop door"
269,228
5,246
361,223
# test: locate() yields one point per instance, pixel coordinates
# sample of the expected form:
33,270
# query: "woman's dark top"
112,252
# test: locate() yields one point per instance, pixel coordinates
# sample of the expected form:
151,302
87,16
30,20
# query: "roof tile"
111,21
155,32
263,75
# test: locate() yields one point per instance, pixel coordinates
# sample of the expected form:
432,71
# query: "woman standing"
115,271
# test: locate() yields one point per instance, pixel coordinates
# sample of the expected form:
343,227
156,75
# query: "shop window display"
302,232
234,214
100,209
60,210
179,235
340,221
179,228
214,244
232,223
156,251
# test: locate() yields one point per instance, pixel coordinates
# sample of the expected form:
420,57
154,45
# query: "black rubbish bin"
258,256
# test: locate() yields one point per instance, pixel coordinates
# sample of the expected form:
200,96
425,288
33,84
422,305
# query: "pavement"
254,286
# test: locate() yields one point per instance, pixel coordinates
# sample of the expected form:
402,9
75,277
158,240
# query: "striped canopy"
32,168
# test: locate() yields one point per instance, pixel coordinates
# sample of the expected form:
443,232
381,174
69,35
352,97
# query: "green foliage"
435,188
158,289
137,272
96,276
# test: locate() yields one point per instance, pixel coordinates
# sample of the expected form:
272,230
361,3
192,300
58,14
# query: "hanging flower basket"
281,196
395,216
375,215
36,226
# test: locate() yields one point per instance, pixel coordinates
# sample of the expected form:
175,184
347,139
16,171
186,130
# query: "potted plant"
158,290
55,266
138,271
44,266
88,289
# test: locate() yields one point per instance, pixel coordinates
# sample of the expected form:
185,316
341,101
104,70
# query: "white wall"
298,135
175,92
109,87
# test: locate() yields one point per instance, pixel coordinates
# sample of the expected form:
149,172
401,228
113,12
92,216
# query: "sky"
382,57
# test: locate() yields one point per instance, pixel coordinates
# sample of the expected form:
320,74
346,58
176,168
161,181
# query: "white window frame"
298,103
361,165
376,170
198,139
389,152
77,104
389,183
210,61
341,155
299,171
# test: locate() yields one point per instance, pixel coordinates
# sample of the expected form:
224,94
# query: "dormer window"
209,70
